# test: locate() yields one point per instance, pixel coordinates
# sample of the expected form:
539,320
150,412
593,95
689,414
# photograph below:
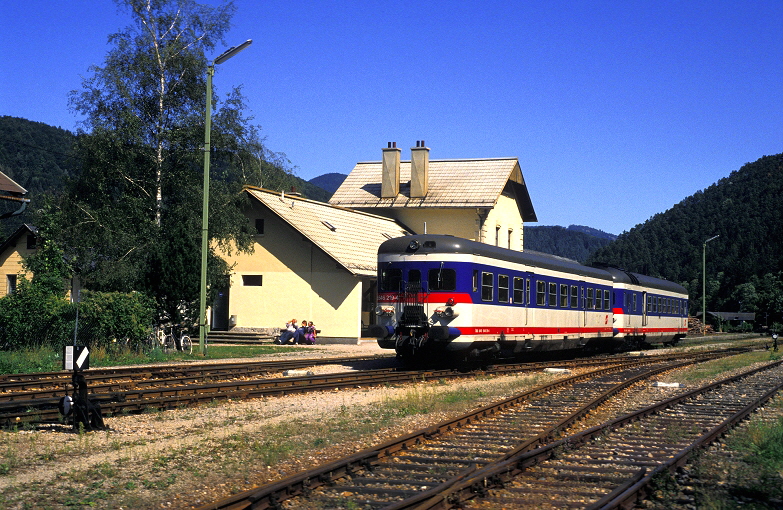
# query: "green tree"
131,220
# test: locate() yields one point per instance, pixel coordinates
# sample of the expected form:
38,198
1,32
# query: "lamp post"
202,321
704,284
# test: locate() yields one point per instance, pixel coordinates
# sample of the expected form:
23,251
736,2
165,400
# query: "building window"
10,283
519,290
510,232
503,288
541,293
31,242
260,226
497,235
487,286
252,280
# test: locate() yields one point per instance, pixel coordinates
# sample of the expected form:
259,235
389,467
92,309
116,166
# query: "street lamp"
704,284
202,321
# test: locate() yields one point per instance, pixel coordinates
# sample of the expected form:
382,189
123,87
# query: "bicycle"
158,338
170,340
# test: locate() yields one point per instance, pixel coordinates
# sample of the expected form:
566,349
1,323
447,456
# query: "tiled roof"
351,238
452,183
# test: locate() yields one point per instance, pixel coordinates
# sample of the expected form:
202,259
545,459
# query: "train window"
635,309
442,279
414,276
502,288
475,280
606,300
589,304
552,294
391,279
528,290
574,296
487,286
563,295
649,304
519,290
541,293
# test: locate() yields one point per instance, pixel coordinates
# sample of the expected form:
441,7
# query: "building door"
220,307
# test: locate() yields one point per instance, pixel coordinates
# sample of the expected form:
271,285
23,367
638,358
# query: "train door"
583,307
644,309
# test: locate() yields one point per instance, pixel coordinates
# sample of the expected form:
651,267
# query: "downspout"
19,211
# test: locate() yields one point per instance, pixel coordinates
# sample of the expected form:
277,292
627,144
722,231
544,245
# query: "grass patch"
46,359
715,368
753,479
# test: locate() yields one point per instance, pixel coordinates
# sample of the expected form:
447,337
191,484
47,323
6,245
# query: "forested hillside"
744,264
330,182
40,158
573,242
37,156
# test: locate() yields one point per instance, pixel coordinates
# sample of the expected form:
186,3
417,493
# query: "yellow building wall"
11,263
298,280
504,226
500,226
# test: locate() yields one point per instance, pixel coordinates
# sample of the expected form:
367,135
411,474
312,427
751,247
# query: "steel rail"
270,495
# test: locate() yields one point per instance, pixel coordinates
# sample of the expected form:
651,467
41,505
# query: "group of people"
296,334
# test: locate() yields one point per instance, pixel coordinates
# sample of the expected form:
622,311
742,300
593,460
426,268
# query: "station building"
317,261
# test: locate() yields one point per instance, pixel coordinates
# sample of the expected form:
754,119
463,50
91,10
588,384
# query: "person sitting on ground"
299,336
310,334
288,333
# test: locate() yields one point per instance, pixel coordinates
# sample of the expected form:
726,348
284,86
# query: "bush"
33,317
115,319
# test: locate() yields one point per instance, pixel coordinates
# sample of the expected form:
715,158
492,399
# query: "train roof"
627,277
449,244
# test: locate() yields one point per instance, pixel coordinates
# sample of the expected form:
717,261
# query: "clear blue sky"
616,110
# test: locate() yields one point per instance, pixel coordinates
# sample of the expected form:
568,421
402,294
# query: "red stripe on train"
432,297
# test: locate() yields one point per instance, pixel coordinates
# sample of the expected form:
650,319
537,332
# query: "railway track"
408,471
166,387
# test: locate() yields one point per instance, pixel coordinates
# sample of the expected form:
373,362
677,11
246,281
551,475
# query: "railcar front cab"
417,300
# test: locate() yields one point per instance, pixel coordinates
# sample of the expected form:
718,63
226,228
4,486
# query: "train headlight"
446,312
386,311
413,245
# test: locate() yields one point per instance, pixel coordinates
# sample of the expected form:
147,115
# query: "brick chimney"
420,165
390,178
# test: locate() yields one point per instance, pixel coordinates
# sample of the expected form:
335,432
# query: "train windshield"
442,279
391,279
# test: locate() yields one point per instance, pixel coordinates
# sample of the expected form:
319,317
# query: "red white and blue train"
442,296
